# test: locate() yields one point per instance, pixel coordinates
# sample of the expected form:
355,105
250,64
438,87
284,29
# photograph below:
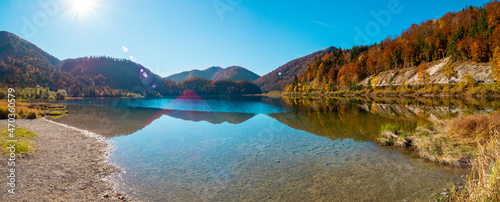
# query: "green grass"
58,113
390,127
23,144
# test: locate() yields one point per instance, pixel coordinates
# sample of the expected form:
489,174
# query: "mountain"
15,47
233,73
206,74
201,86
470,35
104,73
25,66
279,78
22,64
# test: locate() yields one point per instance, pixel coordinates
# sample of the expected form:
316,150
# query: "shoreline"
68,163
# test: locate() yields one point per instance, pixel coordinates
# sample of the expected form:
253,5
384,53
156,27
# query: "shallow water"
251,150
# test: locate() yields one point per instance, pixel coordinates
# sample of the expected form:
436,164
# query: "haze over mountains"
233,73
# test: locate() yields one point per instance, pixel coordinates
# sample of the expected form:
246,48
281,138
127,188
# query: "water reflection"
356,119
278,149
110,121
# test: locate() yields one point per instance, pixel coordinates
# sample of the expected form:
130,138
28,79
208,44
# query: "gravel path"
67,165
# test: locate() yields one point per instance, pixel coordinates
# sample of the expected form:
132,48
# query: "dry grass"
456,141
470,128
466,140
30,111
22,112
484,181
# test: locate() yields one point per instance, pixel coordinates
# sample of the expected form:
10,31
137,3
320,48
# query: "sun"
83,6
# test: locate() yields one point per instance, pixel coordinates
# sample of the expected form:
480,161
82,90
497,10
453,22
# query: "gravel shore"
68,164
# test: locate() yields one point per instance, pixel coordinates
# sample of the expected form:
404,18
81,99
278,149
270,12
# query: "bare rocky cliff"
480,72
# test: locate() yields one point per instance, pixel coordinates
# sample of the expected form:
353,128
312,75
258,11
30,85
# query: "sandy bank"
67,165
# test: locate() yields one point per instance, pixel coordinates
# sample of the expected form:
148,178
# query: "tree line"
472,34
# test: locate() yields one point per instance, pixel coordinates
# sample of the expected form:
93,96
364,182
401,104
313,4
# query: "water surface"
252,149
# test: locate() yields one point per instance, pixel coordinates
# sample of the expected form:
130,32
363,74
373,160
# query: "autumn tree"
479,50
468,80
330,86
423,75
495,64
471,34
449,73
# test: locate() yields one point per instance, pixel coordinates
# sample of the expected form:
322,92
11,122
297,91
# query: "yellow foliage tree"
495,64
423,75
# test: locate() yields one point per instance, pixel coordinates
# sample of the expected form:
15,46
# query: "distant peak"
235,67
214,68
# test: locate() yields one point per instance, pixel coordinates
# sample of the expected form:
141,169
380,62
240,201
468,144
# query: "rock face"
480,72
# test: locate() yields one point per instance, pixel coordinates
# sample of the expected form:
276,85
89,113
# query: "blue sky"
170,36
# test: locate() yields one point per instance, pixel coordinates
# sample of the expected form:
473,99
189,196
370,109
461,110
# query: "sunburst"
82,8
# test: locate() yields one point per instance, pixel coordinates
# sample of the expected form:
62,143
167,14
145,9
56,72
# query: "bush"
3,94
31,115
4,113
469,81
61,94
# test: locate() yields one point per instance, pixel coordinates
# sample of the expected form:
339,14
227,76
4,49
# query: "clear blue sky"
170,36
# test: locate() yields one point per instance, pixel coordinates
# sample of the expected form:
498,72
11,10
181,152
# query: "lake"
255,148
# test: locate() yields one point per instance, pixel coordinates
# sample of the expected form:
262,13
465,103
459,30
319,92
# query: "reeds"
484,181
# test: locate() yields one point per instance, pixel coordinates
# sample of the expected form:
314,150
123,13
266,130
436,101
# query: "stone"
389,134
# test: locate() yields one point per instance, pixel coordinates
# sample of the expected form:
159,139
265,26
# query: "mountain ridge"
232,73
276,81
32,70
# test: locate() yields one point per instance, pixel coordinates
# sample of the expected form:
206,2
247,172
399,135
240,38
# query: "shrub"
61,94
31,115
4,112
469,81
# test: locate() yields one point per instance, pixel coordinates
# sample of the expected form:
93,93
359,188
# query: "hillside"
233,73
25,66
104,74
22,64
279,78
13,46
466,37
206,74
201,86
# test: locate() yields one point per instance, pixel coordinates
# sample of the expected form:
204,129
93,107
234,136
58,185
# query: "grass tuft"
390,127
23,144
